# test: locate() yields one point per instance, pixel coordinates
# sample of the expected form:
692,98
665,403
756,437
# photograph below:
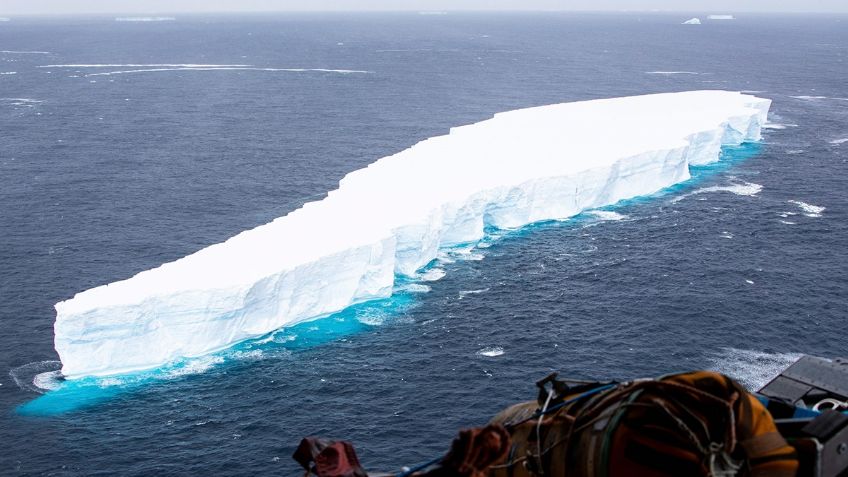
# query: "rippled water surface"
124,145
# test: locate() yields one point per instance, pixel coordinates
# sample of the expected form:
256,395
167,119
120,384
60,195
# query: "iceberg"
721,17
692,21
391,218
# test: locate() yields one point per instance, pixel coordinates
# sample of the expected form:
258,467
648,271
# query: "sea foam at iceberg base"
391,218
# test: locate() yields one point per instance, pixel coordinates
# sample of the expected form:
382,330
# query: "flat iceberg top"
391,217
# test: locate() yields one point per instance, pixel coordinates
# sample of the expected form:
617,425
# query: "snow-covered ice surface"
392,218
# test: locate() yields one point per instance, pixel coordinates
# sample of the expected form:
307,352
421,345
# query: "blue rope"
569,401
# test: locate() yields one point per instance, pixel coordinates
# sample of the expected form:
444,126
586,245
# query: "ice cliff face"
523,166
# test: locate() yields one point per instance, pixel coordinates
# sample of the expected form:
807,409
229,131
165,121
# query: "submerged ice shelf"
391,218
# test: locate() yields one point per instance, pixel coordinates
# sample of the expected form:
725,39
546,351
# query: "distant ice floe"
381,227
692,21
795,151
809,209
491,351
745,189
156,68
721,17
29,103
5,19
753,369
145,19
837,142
138,65
814,98
289,70
16,52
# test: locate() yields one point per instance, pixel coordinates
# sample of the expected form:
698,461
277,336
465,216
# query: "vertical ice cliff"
519,167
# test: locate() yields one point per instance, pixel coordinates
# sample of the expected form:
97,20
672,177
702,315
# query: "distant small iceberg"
692,21
721,17
4,19
145,19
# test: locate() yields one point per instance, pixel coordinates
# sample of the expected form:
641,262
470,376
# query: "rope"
537,415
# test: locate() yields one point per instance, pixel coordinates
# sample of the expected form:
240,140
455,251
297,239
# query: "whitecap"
464,293
372,318
672,73
21,101
140,65
48,380
788,222
432,275
805,97
753,369
467,253
726,235
194,366
608,215
491,351
253,355
839,141
38,377
14,52
744,189
414,288
110,381
795,151
809,209
778,126
8,73
232,68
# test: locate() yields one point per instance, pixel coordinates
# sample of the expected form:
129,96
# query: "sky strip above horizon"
63,7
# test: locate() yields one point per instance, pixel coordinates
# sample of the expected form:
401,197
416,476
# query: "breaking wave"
753,369
491,352
744,189
809,209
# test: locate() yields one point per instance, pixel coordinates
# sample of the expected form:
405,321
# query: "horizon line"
414,12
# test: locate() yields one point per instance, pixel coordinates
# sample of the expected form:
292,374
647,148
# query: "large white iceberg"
391,218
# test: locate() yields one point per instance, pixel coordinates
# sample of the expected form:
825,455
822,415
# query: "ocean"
125,145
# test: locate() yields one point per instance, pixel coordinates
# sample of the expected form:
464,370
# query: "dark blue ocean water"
104,176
